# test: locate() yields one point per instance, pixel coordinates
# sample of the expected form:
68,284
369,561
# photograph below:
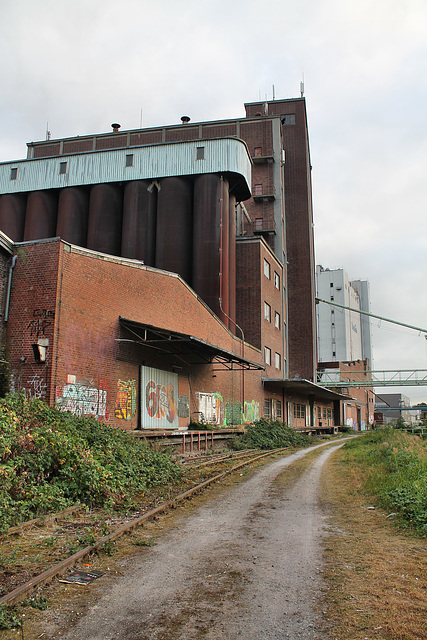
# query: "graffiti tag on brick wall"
42,319
125,407
160,401
82,400
36,387
183,406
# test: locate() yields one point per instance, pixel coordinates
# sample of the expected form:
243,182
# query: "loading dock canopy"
184,347
303,388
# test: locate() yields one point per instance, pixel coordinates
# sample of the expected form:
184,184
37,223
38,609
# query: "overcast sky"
83,64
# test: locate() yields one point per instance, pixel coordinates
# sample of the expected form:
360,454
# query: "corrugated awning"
303,388
185,347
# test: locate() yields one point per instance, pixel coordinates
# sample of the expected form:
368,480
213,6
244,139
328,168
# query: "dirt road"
244,566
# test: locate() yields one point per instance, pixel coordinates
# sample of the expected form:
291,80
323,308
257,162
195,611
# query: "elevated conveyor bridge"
389,378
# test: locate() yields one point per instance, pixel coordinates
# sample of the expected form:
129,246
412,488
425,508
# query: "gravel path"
244,566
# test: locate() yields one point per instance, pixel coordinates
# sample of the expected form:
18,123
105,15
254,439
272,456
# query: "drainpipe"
9,287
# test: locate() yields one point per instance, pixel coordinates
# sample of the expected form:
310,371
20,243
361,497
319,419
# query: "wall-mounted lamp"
40,349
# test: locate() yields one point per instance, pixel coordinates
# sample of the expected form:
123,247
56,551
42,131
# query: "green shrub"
51,459
269,434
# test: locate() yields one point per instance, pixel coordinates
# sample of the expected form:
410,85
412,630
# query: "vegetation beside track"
270,434
376,558
394,473
50,460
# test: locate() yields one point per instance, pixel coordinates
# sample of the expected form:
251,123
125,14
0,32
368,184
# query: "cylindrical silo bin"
225,253
174,227
206,240
40,217
12,215
105,219
232,271
73,211
139,221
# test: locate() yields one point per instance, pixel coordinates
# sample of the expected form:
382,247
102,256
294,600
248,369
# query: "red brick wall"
5,261
74,298
33,315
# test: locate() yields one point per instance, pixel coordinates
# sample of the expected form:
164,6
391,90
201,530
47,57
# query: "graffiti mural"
210,405
125,407
213,410
251,412
159,399
83,400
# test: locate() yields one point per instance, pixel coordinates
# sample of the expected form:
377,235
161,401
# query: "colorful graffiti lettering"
160,401
251,412
126,399
82,400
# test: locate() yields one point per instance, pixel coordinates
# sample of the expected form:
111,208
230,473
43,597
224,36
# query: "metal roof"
185,347
304,388
226,155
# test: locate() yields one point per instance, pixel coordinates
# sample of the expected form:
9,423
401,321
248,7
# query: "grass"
376,564
395,474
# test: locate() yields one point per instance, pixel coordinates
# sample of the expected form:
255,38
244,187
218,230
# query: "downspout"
9,288
220,294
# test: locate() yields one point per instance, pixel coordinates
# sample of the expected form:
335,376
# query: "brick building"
163,275
354,381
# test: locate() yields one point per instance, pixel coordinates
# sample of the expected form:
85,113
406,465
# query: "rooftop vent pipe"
116,127
185,119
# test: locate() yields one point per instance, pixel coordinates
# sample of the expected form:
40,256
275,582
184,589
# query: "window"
277,320
13,173
288,119
331,284
278,409
276,280
129,160
277,361
62,168
324,413
329,413
266,269
258,152
200,153
267,355
267,312
267,408
259,223
299,410
258,189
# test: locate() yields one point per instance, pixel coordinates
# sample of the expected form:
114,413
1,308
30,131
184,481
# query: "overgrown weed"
396,473
50,460
270,434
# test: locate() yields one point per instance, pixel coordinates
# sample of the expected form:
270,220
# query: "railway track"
54,536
